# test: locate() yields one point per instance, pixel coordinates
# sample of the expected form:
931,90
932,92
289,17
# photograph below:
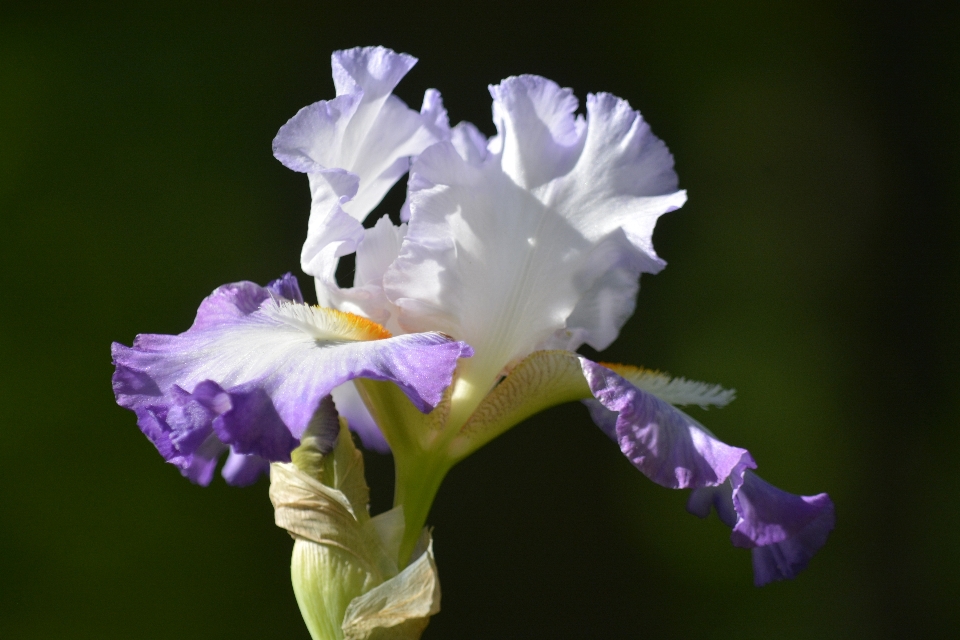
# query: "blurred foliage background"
814,269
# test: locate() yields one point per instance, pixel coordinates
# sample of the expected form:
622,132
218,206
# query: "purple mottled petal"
668,446
129,386
199,466
232,301
254,376
286,287
243,470
603,418
152,424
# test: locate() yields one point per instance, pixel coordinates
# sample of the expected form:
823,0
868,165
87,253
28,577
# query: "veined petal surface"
253,368
357,145
538,240
667,445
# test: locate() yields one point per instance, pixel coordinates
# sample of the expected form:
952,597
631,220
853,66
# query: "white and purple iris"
464,319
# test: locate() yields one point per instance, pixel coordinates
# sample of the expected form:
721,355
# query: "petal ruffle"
548,228
253,368
667,445
538,137
355,147
783,530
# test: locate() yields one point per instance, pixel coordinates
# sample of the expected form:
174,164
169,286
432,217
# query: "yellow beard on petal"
323,323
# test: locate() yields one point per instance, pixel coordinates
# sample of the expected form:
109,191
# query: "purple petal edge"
782,530
667,445
215,388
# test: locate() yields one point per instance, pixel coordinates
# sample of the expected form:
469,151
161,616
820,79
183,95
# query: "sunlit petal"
254,366
537,240
356,146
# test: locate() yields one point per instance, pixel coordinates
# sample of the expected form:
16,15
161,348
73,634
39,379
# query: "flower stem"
417,480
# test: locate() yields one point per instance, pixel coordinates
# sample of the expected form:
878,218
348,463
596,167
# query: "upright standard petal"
253,368
782,530
667,445
356,146
548,229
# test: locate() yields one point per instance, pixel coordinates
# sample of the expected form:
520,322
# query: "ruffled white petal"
355,147
538,240
538,136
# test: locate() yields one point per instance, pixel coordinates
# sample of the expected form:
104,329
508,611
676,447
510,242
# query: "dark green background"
815,269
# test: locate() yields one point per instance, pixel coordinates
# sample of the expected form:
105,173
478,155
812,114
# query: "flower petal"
667,445
548,230
254,366
242,470
537,134
355,147
350,405
783,530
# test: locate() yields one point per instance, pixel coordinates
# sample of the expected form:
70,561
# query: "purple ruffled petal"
782,530
667,445
253,368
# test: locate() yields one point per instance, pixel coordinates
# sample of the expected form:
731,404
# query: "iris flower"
464,319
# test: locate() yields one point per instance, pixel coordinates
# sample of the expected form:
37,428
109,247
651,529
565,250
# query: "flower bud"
344,566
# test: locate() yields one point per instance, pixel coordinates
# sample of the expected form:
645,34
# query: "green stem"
417,480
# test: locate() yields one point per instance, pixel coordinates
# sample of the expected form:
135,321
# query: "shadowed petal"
784,531
242,470
350,406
